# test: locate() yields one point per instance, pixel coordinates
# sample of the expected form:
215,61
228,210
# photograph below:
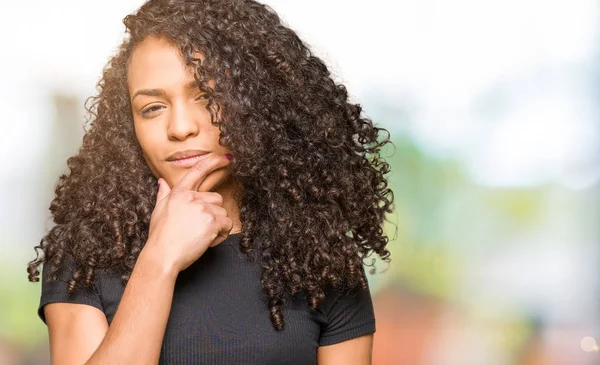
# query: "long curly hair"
314,192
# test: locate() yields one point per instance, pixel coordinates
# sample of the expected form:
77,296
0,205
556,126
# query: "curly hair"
314,192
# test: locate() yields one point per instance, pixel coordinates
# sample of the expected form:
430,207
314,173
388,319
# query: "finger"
215,179
215,209
208,197
197,173
226,226
163,189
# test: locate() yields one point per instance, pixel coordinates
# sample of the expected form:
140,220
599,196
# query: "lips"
187,154
186,162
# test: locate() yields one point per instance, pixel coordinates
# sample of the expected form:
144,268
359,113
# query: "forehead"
157,63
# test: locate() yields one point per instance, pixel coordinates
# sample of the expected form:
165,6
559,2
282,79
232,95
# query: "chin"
213,181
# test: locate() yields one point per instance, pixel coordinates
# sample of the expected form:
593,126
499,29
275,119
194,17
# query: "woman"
271,192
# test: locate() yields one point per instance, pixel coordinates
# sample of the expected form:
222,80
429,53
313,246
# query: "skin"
171,120
173,117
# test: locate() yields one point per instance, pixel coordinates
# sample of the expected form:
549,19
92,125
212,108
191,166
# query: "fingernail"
228,155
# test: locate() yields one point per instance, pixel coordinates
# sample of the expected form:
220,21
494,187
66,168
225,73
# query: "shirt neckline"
231,239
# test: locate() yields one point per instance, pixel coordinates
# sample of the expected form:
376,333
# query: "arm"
357,351
184,223
348,325
79,334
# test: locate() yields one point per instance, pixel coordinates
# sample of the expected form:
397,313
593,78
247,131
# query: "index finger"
198,172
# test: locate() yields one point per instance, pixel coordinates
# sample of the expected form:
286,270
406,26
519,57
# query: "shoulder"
348,313
56,282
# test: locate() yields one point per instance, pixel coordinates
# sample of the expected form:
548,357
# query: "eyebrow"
191,86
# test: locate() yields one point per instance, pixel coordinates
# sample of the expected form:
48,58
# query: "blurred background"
494,108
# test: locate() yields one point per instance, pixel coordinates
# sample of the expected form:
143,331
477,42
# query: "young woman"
271,192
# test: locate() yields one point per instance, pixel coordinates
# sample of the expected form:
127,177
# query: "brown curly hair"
314,192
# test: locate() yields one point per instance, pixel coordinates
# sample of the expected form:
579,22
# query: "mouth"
186,162
186,158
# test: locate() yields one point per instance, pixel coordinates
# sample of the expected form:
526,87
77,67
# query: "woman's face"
169,112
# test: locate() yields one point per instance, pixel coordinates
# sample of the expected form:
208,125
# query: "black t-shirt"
219,316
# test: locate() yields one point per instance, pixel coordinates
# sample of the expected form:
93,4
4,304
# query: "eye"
150,110
201,97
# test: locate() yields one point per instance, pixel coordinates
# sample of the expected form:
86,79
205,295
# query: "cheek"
145,140
152,166
214,136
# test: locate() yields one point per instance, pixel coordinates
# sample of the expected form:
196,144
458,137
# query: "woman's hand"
186,220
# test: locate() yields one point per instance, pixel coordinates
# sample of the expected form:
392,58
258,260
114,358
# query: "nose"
182,124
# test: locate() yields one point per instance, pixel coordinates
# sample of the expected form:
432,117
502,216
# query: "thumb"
163,189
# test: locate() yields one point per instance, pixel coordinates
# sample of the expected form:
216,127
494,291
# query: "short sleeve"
57,292
348,315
